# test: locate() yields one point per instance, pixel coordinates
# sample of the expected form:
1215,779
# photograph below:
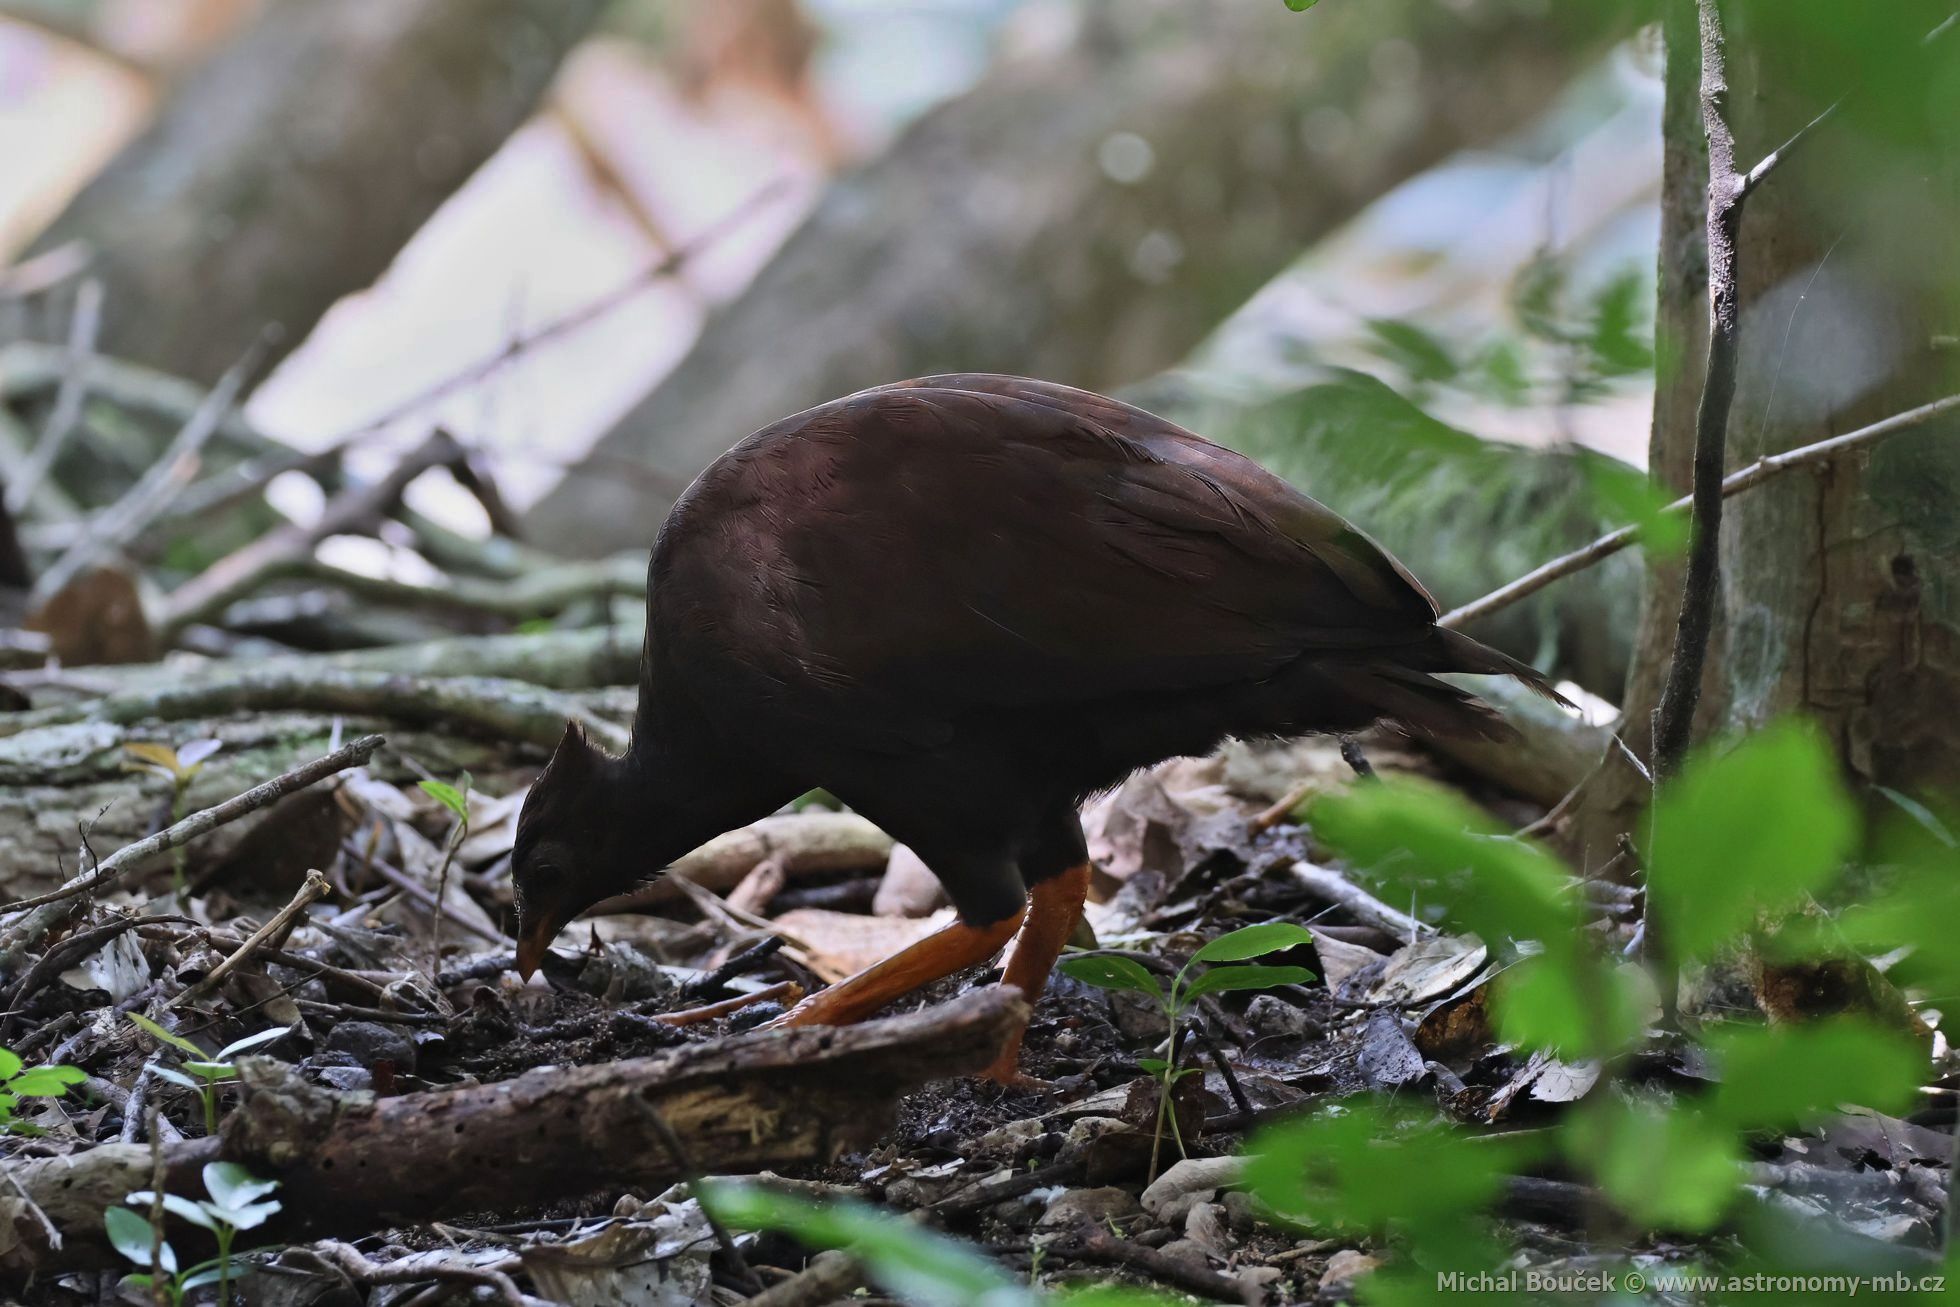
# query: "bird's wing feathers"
993,541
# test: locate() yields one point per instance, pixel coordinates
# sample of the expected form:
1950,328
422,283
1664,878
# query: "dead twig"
1332,887
1088,1244
830,1277
348,1261
83,328
52,910
786,991
239,572
408,885
740,964
271,933
122,521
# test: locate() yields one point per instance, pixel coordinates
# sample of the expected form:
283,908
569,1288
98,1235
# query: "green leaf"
1755,828
177,1205
191,756
449,796
1422,355
129,1234
1366,1166
174,1076
1112,973
1301,6
1623,493
251,1041
249,1217
1254,942
1573,1005
1673,1169
1420,833
210,1071
1777,1076
1619,339
210,1275
1116,1295
1220,980
46,1081
158,1032
1156,1066
10,1064
233,1185
914,1264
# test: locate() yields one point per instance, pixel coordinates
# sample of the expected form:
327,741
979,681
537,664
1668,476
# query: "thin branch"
83,328
49,910
121,522
238,572
676,259
1747,478
270,934
423,1267
1681,692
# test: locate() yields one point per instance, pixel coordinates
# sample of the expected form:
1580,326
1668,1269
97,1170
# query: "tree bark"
289,170
1086,215
1840,587
756,1101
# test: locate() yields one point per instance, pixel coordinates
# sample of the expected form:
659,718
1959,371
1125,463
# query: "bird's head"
574,844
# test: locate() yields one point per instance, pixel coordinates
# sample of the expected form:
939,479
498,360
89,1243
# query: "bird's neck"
670,800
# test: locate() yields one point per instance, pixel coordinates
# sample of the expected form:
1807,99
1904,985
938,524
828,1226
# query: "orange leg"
1053,911
938,955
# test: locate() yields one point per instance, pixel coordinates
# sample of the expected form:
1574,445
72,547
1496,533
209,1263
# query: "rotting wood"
754,1101
506,709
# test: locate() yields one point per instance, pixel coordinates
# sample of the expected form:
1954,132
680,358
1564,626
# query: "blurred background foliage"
1403,252
1407,252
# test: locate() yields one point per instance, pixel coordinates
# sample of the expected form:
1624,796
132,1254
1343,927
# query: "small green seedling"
202,1075
234,1205
18,1081
179,766
456,798
1197,978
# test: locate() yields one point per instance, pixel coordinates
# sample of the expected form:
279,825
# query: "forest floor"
537,1183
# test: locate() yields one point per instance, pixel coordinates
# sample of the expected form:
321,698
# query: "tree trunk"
1086,215
289,170
1840,590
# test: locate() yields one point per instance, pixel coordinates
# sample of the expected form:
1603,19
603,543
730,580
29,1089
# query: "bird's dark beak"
533,943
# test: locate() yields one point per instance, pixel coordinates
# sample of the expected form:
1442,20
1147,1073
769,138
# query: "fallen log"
554,660
350,1163
503,709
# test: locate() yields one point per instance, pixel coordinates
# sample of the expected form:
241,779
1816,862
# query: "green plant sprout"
234,1205
914,1264
202,1075
18,1081
1195,979
179,766
456,798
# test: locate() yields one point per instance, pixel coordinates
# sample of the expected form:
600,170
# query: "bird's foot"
1012,1077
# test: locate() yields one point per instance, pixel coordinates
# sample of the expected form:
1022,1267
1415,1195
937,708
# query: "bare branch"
82,331
51,909
1681,692
1747,478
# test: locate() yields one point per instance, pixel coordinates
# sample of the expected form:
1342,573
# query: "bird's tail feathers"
1457,652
